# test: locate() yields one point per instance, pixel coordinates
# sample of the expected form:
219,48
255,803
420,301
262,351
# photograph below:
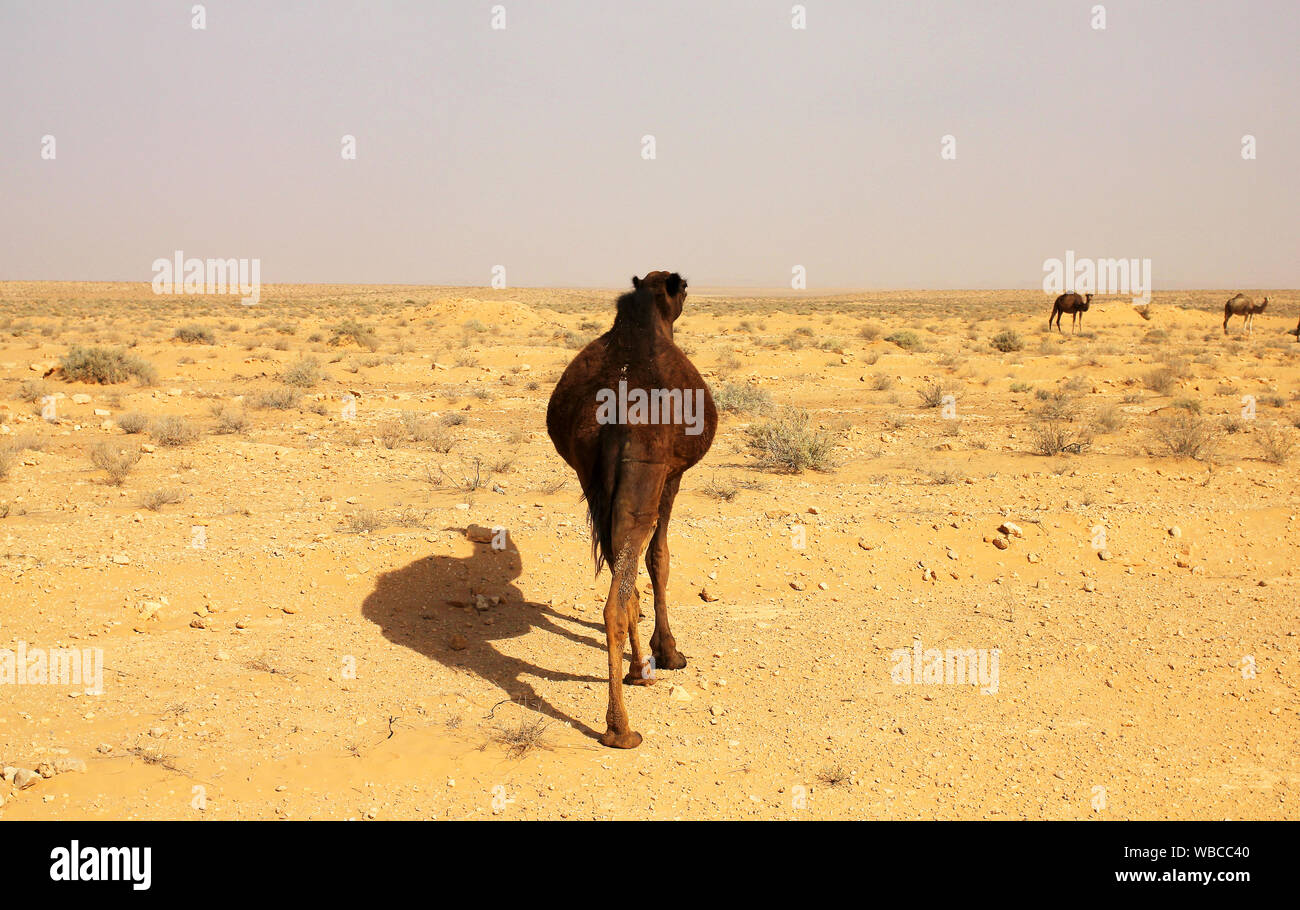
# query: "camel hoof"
670,660
636,679
629,740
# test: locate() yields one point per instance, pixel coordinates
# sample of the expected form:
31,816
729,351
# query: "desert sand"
296,619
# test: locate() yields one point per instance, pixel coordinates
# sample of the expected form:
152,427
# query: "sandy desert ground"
295,623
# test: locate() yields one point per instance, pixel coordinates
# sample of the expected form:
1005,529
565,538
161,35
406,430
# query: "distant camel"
630,468
1073,304
1295,331
1241,305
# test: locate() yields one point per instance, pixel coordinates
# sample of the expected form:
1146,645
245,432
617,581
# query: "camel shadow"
429,607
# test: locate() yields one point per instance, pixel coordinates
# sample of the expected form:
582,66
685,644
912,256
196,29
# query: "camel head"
1087,302
1260,308
667,290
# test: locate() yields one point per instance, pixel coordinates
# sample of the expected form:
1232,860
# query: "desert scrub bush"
114,460
349,330
787,443
133,422
363,521
1187,404
1021,387
391,434
1185,434
908,341
154,500
475,325
229,422
1007,341
932,394
453,419
304,374
274,400
882,382
870,331
105,366
1161,380
32,390
173,430
1275,444
1107,419
195,334
440,440
1053,436
739,398
8,455
1057,405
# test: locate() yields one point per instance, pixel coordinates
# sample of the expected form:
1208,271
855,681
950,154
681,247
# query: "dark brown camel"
1295,331
630,467
1073,304
1241,305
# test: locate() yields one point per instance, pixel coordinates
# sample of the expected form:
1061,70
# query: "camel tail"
600,495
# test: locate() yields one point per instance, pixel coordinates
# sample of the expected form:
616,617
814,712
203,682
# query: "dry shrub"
115,460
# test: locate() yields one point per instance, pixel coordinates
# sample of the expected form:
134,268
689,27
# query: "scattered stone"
1010,529
457,642
24,778
706,596
798,585
1001,543
479,534
677,693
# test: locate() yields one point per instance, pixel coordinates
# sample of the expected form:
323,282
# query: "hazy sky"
775,147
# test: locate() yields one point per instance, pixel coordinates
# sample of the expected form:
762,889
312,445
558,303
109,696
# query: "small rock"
677,693
1011,530
1001,543
457,642
798,585
25,777
706,596
479,534
1103,555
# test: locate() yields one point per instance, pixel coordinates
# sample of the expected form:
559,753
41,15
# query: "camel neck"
643,328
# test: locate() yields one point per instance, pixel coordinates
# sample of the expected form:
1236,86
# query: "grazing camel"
1241,305
1073,304
630,467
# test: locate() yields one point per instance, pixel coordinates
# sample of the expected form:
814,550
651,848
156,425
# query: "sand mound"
501,313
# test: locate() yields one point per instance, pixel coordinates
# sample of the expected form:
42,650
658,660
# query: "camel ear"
673,285
636,282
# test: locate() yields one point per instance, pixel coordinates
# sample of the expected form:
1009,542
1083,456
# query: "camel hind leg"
662,643
635,509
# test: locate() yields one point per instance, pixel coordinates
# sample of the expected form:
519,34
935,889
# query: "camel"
1073,304
1241,305
630,469
1295,331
